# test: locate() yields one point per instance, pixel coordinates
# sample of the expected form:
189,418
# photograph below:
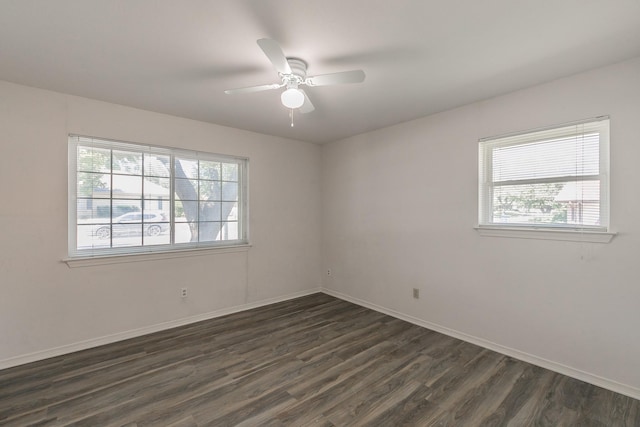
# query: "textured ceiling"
420,56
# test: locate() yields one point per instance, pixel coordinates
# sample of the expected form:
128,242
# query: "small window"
555,178
130,198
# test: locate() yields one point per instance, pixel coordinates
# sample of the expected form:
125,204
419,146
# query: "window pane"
186,168
570,203
230,211
155,223
122,207
92,159
93,185
89,236
160,206
93,209
186,189
209,231
209,170
229,231
210,211
230,171
157,165
229,191
581,200
127,186
156,188
210,190
127,162
183,232
160,239
186,211
153,228
126,234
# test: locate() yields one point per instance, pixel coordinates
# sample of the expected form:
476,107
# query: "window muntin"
556,178
129,198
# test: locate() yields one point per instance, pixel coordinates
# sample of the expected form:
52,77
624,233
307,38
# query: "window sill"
151,256
547,234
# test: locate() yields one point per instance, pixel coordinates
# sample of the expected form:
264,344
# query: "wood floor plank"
451,388
311,361
413,410
185,422
340,388
370,401
605,406
483,399
158,387
316,384
33,418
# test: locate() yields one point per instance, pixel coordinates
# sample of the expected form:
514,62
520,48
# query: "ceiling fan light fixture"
292,98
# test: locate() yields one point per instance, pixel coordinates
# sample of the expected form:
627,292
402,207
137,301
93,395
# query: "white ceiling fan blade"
274,52
355,76
307,107
252,89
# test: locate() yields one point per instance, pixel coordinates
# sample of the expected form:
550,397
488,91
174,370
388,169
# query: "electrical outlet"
329,272
416,293
183,292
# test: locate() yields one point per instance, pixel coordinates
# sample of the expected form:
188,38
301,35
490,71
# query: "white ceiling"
420,56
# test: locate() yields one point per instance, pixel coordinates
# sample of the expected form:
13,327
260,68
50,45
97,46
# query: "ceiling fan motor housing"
298,72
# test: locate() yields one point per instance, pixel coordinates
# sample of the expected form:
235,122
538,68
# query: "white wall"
399,207
389,223
46,307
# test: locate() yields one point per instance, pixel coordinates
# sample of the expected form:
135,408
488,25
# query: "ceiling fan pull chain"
291,115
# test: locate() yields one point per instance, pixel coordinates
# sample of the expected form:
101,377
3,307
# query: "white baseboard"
526,357
596,380
120,336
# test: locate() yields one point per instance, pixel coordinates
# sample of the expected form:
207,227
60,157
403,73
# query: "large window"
128,198
553,178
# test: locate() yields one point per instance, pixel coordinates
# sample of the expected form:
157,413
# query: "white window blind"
550,178
132,198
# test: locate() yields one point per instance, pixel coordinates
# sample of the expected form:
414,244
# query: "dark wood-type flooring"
312,361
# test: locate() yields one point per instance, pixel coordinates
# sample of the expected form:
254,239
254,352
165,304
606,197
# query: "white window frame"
83,257
487,227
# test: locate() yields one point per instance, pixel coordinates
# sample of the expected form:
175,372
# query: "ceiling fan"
293,73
